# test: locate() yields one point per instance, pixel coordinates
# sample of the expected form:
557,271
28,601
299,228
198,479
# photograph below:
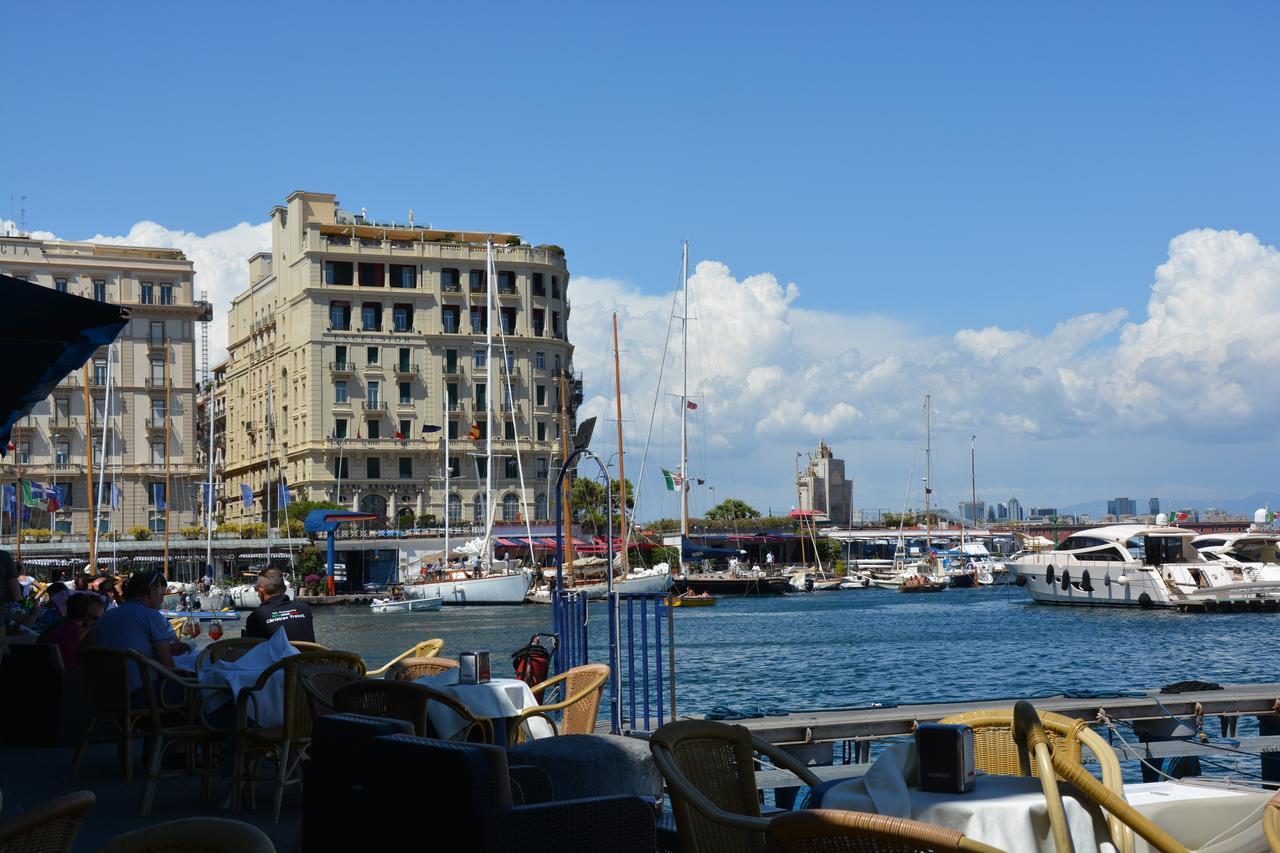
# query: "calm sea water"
839,649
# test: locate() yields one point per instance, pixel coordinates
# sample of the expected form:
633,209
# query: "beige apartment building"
353,336
143,386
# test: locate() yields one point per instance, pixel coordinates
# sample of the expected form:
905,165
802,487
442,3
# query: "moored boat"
405,605
722,583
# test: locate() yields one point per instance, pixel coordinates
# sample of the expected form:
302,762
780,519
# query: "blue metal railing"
570,615
647,689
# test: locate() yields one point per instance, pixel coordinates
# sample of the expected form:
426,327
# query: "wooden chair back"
832,831
232,648
411,669
298,713
48,828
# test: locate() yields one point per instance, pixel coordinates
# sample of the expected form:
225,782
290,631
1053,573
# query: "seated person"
15,609
277,611
138,624
83,613
55,606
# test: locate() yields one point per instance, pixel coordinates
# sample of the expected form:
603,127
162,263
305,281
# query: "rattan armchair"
1271,822
411,669
194,835
709,769
304,646
582,688
321,683
425,649
232,648
287,743
1034,745
48,828
403,700
996,753
833,831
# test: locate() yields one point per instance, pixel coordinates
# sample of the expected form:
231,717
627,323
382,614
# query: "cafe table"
267,707
499,699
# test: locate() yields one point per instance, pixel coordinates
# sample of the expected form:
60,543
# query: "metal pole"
615,709
88,455
168,404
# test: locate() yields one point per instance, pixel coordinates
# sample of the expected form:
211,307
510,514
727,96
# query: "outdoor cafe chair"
404,700
163,725
304,646
194,835
996,753
1271,823
582,688
425,649
835,831
232,648
286,743
709,768
1035,747
49,827
321,683
411,669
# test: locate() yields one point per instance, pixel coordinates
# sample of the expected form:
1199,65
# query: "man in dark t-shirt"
277,611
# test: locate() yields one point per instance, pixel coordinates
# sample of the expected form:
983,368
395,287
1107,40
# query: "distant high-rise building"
1126,506
973,511
1043,512
1112,509
824,487
1002,512
1153,506
1015,509
991,513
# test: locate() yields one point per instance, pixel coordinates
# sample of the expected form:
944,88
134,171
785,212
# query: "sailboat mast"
446,479
102,457
489,285
928,521
211,408
622,471
973,478
266,485
88,454
567,495
684,404
168,404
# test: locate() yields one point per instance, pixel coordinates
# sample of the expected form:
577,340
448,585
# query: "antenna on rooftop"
22,217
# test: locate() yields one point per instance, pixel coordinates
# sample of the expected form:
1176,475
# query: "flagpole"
446,481
168,383
20,501
88,457
102,463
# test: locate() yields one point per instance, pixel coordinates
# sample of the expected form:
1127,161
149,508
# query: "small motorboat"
203,615
688,599
405,605
922,583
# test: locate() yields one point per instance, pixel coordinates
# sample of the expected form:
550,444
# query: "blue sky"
941,166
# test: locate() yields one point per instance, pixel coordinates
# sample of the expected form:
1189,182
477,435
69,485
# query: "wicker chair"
48,828
403,700
832,831
996,753
232,648
425,649
109,700
709,769
582,688
1271,823
163,725
411,669
285,744
194,835
321,683
304,646
1034,745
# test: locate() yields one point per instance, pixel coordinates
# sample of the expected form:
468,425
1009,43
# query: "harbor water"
853,648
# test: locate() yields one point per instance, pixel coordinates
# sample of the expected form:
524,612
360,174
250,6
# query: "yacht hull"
492,590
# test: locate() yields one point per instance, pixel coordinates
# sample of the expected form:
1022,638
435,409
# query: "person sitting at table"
83,614
277,611
138,624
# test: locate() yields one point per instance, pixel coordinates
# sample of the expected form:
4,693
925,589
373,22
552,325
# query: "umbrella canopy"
44,335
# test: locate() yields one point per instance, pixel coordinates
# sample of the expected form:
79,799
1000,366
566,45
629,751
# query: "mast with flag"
684,406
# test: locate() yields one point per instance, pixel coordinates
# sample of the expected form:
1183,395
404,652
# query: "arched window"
511,507
477,508
455,507
540,508
375,504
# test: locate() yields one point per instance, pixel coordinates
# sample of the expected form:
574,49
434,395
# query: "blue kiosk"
326,521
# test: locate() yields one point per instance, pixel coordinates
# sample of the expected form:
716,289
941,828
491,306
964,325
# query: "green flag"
669,479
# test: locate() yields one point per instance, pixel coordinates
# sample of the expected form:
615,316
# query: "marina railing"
646,660
570,620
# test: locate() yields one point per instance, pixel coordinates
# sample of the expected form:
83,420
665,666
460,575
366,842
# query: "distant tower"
1153,506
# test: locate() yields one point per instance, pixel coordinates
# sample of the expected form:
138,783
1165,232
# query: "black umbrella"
44,335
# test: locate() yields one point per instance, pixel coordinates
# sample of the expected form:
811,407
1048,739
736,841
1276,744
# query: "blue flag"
285,500
157,495
61,492
116,495
11,499
206,494
246,495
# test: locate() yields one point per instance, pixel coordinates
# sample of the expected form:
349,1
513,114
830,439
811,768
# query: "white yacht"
1135,565
1253,556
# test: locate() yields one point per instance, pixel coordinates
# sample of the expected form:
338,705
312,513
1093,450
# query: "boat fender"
808,583
1144,600
1021,580
1085,583
1066,578
1106,580
1122,580
1050,575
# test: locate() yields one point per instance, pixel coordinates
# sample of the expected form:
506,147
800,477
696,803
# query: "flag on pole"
691,405
673,479
284,499
116,496
40,496
246,495
11,499
157,495
206,495
399,435
474,434
59,498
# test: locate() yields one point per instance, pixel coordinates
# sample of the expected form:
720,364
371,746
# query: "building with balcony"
824,488
150,374
358,346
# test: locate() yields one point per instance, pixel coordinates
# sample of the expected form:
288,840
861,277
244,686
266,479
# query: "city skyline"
886,214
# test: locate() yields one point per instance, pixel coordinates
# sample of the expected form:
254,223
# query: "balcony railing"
403,369
155,423
62,424
342,366
151,382
452,369
374,406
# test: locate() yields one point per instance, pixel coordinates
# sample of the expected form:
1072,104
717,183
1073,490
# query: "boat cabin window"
1109,555
1209,543
1075,543
1156,550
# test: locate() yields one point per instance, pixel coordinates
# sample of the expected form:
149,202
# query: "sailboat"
489,581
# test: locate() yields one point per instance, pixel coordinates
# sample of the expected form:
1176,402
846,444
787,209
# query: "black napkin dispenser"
945,754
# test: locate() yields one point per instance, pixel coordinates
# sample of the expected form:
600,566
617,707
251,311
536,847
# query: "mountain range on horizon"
1232,506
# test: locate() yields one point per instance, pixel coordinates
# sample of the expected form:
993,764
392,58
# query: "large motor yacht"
1135,565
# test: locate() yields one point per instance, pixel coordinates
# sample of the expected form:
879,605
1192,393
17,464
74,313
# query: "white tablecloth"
1006,812
1205,818
186,661
242,674
501,698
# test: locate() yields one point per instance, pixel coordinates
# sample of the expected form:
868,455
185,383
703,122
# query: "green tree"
731,509
298,509
589,509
